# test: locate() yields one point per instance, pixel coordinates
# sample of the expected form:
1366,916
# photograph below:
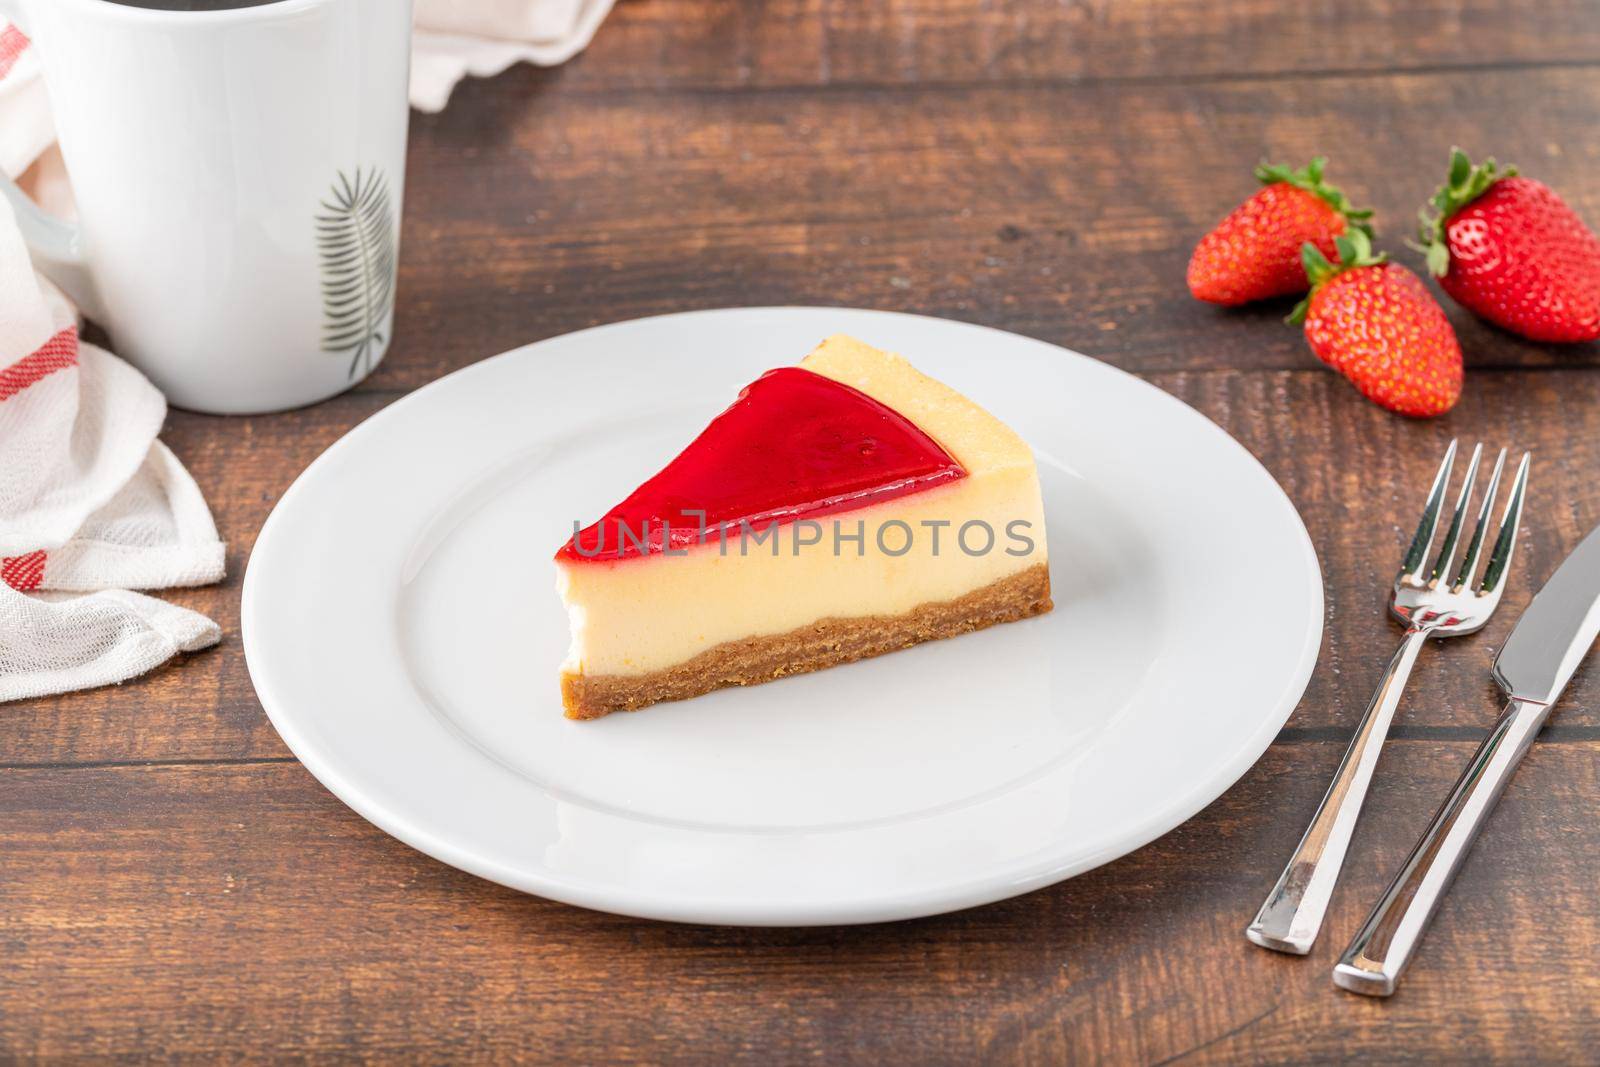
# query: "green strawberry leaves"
1355,250
1309,178
1464,184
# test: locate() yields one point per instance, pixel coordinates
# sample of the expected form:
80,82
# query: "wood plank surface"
659,44
1066,214
239,911
174,884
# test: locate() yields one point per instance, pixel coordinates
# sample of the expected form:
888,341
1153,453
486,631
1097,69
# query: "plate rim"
993,886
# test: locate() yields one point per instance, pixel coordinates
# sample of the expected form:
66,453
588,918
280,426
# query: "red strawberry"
1510,250
1376,323
1254,253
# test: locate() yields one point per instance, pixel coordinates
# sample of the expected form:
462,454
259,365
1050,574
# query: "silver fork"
1429,605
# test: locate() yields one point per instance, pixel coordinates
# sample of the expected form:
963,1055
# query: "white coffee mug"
238,176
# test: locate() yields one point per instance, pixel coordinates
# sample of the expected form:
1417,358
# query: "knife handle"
1384,945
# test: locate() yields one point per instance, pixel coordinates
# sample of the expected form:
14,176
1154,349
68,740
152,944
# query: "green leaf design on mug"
356,240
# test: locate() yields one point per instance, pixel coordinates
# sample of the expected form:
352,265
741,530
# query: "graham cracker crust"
825,643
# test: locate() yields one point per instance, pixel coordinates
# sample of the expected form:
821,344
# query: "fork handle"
1389,938
1292,914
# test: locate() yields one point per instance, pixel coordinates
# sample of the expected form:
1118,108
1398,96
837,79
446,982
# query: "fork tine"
1469,560
1506,543
1417,554
1452,534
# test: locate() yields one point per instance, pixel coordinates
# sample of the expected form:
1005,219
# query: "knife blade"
1556,630
1534,666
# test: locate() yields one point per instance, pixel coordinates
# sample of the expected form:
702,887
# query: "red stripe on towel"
23,572
13,42
58,353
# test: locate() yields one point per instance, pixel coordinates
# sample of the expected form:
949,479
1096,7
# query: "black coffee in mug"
192,5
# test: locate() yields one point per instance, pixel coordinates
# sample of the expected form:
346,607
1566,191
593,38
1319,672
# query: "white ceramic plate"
403,633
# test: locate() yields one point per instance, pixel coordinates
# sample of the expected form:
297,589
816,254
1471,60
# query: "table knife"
1533,667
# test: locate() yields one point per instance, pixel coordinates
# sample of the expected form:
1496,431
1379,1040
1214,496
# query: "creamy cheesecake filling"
813,647
645,614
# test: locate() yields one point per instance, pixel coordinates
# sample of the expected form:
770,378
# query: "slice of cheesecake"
840,509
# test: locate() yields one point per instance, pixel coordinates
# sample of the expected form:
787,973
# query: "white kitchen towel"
49,644
90,503
25,126
454,38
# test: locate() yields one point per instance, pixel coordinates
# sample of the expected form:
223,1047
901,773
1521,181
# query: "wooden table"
172,881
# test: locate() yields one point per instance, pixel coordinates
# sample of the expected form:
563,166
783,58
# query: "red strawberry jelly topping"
793,445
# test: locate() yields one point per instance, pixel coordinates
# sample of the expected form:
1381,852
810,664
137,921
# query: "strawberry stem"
1464,184
1309,178
1355,250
